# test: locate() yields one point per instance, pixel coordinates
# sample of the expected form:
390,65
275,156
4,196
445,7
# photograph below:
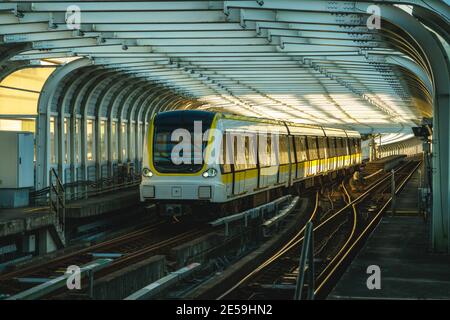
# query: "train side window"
312,148
269,151
300,145
273,144
318,144
339,147
237,162
303,149
357,145
344,146
331,147
239,155
283,148
322,148
264,150
226,156
292,149
250,151
352,146
297,148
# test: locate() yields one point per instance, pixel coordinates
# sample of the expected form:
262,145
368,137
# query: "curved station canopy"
340,63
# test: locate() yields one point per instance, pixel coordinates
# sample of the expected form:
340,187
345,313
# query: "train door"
283,159
251,174
313,164
331,147
352,151
239,182
239,164
307,164
346,153
292,161
227,172
263,160
341,152
301,158
273,164
321,156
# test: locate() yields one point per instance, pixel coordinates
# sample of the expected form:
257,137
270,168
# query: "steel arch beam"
43,120
439,67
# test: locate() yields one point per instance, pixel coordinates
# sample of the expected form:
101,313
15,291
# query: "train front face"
178,173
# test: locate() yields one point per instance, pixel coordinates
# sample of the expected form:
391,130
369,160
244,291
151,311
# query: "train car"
209,162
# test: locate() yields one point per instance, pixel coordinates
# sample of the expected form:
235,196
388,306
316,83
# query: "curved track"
347,227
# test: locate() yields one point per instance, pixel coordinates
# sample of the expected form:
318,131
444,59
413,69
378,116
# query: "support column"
440,175
372,148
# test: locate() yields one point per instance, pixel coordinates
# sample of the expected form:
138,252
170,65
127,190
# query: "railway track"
279,272
277,257
126,249
347,227
368,216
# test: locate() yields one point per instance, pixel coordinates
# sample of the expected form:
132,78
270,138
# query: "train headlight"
146,172
211,172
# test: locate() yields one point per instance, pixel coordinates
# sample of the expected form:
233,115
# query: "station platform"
19,220
399,246
385,164
101,204
408,202
22,220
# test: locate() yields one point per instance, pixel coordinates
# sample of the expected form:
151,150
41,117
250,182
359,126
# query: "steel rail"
365,231
274,257
60,259
299,236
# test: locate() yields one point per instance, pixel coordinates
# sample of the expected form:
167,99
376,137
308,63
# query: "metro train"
215,164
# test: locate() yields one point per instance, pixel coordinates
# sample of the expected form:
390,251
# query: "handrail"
306,258
90,187
58,207
57,178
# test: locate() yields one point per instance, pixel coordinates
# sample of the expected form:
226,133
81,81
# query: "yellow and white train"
231,163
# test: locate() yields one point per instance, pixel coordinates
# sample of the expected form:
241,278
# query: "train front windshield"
168,127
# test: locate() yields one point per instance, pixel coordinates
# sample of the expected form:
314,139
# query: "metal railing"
84,189
57,199
306,265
